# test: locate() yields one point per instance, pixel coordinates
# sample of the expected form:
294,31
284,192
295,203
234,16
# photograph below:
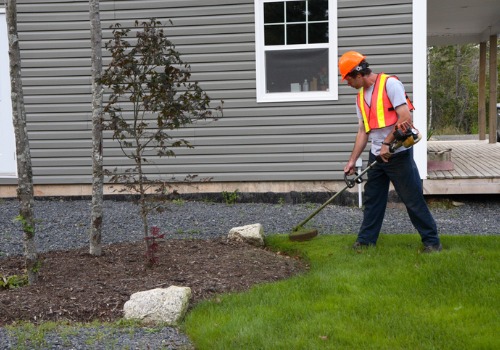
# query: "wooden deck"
473,168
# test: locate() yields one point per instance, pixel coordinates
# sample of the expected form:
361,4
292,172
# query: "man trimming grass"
384,111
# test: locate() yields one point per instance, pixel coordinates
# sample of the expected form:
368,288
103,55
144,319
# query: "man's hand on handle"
350,168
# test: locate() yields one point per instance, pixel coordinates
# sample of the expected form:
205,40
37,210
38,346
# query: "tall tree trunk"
458,110
24,170
430,122
97,122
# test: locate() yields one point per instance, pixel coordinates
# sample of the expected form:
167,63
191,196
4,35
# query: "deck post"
481,103
493,88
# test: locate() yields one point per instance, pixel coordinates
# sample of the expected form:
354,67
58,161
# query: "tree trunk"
24,170
430,122
142,200
97,122
458,109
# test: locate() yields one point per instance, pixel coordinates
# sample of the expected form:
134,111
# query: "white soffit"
461,21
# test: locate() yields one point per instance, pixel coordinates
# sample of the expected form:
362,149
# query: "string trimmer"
407,139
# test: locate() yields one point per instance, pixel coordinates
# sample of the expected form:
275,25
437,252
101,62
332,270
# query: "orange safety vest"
380,112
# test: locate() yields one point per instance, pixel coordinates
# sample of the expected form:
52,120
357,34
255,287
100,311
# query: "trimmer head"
302,234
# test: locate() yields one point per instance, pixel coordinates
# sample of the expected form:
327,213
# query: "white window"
296,50
8,167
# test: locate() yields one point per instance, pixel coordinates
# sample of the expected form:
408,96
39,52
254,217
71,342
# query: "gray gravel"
64,224
100,338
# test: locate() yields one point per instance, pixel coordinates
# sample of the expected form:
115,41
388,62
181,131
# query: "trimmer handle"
352,182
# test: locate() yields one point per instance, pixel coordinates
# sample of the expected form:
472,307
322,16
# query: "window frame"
260,52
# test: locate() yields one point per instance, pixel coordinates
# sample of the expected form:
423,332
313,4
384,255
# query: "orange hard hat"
349,61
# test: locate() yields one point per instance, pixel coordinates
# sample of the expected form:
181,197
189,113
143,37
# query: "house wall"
301,141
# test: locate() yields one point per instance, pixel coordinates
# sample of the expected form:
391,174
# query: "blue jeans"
402,171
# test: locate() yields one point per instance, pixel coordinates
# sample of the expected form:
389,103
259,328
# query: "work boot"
432,248
361,245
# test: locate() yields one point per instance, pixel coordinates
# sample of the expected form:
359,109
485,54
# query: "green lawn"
389,297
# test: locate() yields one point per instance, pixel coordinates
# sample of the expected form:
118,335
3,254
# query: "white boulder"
167,305
252,234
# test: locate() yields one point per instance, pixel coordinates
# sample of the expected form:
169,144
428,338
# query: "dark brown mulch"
75,286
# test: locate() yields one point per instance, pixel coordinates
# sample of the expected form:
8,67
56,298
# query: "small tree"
24,169
150,95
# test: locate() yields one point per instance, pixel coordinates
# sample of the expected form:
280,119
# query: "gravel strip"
101,338
63,224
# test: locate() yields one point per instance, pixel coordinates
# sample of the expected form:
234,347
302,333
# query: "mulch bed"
78,287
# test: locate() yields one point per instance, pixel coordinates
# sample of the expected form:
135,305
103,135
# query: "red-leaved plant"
151,258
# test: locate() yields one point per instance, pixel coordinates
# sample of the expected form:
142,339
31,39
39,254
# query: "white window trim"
262,95
8,167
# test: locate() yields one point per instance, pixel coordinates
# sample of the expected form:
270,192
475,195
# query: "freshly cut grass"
388,297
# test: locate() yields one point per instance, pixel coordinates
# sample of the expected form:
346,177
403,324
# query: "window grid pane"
295,11
311,14
295,34
274,12
274,34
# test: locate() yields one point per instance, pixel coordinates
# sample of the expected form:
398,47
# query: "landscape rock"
168,305
251,234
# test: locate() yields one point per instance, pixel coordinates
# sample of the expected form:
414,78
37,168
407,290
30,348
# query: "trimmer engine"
405,138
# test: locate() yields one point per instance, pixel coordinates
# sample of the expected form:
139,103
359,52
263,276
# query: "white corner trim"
420,82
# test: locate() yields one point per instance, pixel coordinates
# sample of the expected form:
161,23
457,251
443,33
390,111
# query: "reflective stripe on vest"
380,113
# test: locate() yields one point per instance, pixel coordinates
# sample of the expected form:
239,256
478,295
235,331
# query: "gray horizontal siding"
200,161
252,142
209,151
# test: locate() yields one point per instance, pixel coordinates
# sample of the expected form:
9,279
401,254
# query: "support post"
481,100
359,165
493,89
